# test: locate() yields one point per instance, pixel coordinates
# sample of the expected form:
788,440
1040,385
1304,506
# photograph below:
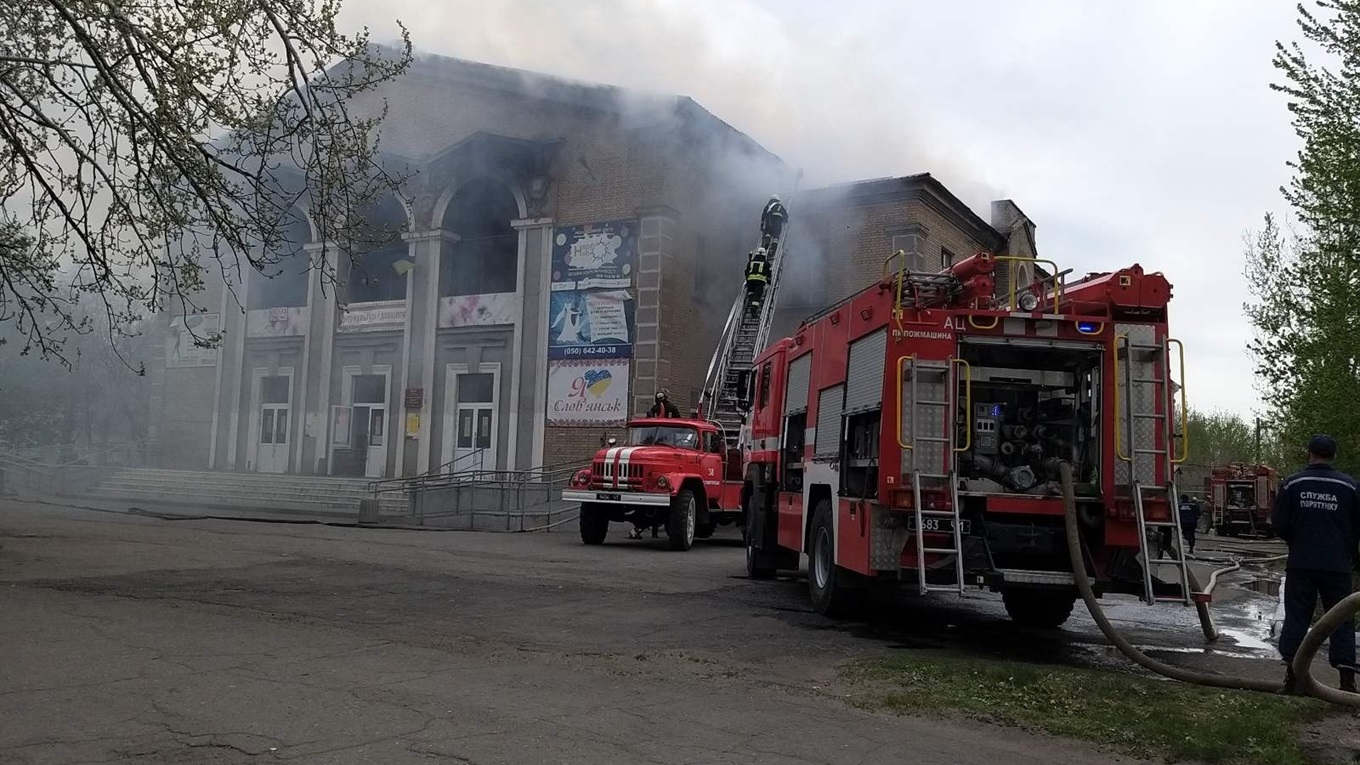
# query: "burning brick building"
567,249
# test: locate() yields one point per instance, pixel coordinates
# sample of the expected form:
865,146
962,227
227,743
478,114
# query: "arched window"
281,275
485,258
380,260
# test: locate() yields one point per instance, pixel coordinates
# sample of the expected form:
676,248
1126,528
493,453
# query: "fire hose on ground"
1303,659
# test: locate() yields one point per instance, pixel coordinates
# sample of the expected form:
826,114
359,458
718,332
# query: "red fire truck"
1240,498
678,474
914,432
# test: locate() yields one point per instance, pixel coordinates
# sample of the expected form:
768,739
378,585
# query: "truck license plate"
608,497
941,525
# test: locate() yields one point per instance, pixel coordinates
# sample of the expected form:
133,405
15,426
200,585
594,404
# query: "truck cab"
671,473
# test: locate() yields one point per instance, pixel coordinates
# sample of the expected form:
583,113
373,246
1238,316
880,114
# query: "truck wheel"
594,524
704,530
681,520
831,587
1038,609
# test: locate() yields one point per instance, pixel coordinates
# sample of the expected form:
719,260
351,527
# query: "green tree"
1306,286
142,143
1217,438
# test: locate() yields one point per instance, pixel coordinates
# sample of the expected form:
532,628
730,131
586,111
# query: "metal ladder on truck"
940,380
744,335
1142,362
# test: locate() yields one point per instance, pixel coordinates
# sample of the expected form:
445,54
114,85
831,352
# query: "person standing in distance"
1189,513
1317,513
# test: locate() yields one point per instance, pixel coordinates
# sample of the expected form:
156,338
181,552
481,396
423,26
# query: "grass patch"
1132,715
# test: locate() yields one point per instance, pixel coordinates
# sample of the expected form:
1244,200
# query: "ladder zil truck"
686,474
1241,498
913,433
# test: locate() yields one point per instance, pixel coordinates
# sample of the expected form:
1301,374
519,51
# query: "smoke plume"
805,94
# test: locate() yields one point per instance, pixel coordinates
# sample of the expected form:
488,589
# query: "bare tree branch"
146,142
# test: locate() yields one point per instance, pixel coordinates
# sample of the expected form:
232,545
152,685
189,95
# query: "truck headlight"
662,483
582,478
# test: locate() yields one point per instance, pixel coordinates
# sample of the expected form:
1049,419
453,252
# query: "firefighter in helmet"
772,220
757,277
663,406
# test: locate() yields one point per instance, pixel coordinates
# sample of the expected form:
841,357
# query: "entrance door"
470,419
370,422
273,407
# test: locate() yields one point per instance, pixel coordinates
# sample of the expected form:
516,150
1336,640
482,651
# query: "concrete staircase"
206,490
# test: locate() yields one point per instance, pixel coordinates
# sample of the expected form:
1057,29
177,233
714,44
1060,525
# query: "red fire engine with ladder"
913,432
686,474
1241,498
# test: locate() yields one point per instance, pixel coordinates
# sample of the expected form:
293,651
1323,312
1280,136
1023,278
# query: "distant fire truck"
914,432
1240,498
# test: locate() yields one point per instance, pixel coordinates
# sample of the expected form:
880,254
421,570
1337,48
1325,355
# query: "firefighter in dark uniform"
663,406
757,277
1317,513
1189,514
772,220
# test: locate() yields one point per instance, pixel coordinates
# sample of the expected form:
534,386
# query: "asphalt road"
131,639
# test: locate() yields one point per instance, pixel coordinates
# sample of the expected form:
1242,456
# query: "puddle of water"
1246,640
1110,652
1265,585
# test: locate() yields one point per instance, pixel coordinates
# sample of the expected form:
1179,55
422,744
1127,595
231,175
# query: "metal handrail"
901,383
897,311
125,446
717,364
518,491
410,484
374,486
1057,285
967,402
1185,403
1118,432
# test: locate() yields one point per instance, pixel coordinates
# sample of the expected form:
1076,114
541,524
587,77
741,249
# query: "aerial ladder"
745,334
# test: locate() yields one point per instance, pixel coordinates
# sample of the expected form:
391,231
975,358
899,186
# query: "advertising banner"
276,322
180,350
588,392
594,256
590,312
478,310
378,316
594,324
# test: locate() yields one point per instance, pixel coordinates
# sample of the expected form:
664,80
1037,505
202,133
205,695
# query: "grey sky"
1130,132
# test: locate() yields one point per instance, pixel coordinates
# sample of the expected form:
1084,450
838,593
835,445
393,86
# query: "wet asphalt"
130,638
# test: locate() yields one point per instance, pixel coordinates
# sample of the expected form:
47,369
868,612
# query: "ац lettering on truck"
913,433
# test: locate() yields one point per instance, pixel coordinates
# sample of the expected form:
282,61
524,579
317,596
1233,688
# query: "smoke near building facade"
560,252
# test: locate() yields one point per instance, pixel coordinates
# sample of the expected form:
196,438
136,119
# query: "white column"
323,310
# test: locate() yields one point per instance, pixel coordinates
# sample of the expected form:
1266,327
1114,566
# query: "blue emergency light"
1088,327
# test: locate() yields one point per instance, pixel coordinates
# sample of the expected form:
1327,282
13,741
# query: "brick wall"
858,237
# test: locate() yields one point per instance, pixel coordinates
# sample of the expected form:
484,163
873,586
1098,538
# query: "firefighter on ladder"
772,220
757,278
